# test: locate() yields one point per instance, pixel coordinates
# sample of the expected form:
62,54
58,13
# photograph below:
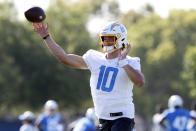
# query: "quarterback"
113,74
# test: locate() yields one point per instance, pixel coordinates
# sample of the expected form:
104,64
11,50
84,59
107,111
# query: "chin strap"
108,49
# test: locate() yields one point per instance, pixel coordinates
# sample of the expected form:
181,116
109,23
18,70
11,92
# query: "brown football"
35,14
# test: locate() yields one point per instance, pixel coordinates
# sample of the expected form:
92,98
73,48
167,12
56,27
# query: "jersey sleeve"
135,63
40,119
89,58
165,113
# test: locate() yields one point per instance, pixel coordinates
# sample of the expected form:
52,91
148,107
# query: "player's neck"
112,55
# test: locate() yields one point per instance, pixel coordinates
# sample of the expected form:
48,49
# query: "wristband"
123,62
45,37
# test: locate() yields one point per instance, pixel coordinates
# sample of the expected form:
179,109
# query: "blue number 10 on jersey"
103,77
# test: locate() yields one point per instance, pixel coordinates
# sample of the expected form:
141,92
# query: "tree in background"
189,72
162,44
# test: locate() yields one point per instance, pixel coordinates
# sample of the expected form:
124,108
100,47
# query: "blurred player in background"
157,118
192,122
86,123
50,120
27,122
176,117
113,74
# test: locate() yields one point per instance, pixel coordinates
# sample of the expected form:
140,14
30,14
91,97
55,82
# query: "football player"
113,74
86,123
50,120
176,117
27,119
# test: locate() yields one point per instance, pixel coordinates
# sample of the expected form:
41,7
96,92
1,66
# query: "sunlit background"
162,34
161,7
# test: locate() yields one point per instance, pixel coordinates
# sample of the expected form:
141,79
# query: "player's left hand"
41,29
124,54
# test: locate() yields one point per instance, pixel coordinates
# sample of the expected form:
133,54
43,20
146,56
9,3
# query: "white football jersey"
28,127
111,88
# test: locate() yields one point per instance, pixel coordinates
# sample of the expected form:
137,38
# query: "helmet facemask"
108,46
118,32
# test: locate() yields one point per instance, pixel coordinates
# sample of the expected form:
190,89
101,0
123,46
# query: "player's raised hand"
124,54
41,29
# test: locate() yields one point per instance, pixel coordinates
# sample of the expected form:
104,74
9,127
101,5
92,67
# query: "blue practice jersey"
49,122
85,124
177,119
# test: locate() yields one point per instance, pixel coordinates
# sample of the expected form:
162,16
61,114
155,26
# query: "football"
35,14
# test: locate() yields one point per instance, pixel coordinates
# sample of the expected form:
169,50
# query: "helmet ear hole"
102,45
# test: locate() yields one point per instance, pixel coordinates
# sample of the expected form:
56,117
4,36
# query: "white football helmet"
175,100
28,115
51,104
90,113
120,34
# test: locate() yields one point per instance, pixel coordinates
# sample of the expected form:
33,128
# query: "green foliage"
29,74
9,12
189,73
162,53
131,17
162,44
